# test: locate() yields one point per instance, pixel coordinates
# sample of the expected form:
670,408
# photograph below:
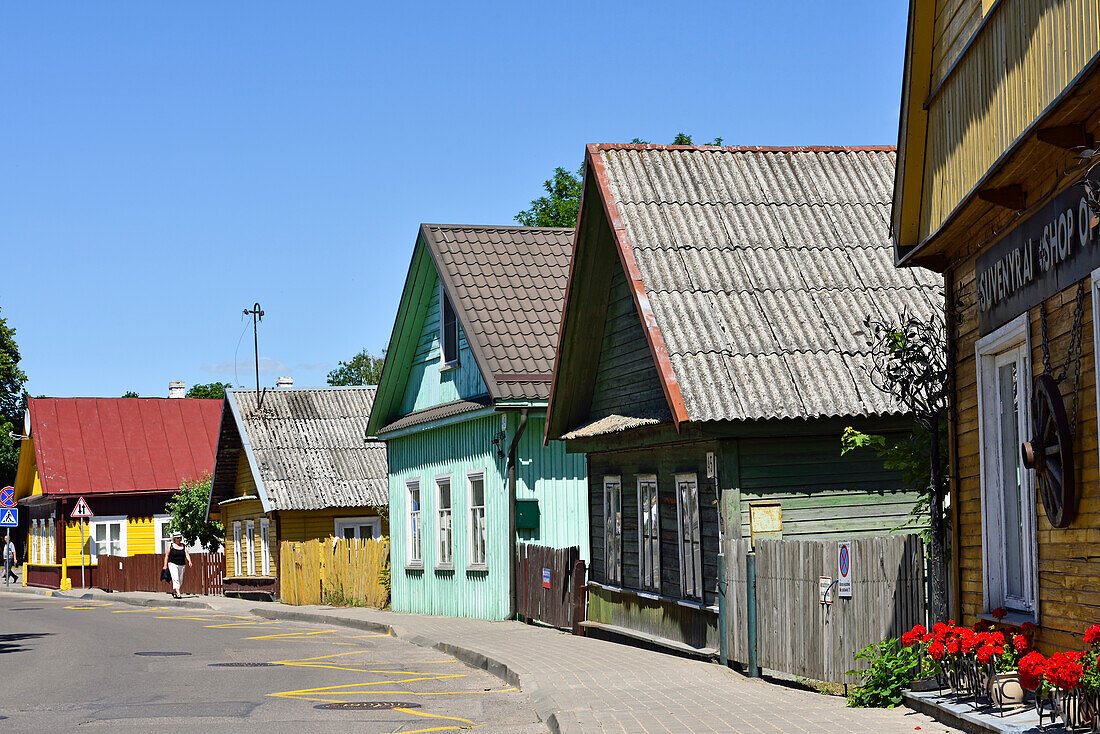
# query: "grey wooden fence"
796,633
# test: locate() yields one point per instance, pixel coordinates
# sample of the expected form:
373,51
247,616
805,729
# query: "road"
68,663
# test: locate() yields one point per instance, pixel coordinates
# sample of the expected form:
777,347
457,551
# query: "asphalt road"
71,665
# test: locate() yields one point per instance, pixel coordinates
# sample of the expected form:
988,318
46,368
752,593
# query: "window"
265,548
445,557
237,549
358,528
412,492
35,535
250,550
163,527
691,550
448,329
51,544
1008,495
649,534
107,537
475,489
613,530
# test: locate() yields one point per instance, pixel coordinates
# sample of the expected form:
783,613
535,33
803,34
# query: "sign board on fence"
546,578
82,509
7,497
765,521
824,590
844,569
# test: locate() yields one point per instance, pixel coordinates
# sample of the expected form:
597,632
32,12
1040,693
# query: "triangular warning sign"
7,517
81,509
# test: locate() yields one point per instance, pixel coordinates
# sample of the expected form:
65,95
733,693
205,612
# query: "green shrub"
893,668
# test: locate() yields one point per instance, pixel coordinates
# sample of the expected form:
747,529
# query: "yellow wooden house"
294,465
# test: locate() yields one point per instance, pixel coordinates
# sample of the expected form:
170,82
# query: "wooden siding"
246,483
662,619
626,379
27,481
428,384
1036,49
240,512
548,474
1068,567
300,526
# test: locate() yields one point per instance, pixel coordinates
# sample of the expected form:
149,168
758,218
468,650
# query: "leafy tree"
188,510
12,401
362,369
559,207
130,394
209,390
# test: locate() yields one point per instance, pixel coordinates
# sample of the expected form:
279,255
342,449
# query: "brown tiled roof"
508,286
436,412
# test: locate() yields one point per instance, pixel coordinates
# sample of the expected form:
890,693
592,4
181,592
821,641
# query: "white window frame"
443,362
444,524
990,352
649,570
414,526
613,529
95,522
690,550
477,552
160,522
250,541
34,542
341,523
51,542
237,570
265,546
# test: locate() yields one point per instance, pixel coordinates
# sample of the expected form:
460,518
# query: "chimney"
283,382
177,389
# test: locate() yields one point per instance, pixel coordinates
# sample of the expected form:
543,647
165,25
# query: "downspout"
512,512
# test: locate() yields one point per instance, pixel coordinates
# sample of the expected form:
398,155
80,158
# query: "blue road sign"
7,497
9,517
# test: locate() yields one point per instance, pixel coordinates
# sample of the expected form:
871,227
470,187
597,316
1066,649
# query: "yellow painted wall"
140,538
27,481
299,526
240,512
245,485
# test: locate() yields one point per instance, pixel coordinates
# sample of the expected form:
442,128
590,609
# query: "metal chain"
1073,352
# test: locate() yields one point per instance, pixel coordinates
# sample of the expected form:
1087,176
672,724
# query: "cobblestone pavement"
581,684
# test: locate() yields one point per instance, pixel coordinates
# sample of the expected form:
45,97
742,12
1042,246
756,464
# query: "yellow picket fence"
340,573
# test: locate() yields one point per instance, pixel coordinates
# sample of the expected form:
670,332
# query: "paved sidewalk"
581,684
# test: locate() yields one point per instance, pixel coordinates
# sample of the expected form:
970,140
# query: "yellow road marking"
292,635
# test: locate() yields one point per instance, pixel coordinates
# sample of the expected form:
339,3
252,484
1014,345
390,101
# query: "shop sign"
1047,253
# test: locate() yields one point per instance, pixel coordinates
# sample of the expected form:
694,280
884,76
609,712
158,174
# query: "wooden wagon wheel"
1050,452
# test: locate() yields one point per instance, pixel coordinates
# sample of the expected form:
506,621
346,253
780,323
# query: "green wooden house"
461,405
712,353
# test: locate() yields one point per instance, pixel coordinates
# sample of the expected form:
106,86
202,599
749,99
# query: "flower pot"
1073,709
1005,689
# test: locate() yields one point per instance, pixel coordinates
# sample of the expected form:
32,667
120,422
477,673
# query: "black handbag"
165,576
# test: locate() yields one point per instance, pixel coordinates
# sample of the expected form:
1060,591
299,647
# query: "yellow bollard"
25,567
66,582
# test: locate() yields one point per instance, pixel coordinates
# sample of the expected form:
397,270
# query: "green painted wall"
428,385
555,478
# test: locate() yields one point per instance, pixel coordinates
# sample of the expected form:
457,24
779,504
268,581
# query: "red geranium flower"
1021,644
908,640
1092,635
999,613
985,654
936,651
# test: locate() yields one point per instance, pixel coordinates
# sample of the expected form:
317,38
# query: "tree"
188,510
559,207
130,394
12,401
362,369
910,363
208,391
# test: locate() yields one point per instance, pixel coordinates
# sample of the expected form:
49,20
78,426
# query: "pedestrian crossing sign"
9,517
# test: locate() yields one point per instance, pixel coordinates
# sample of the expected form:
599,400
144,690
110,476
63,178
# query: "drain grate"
160,654
367,705
242,665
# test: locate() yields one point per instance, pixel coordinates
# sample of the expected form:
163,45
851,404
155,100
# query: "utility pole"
257,316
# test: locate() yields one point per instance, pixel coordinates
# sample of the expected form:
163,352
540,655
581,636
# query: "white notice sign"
844,569
824,590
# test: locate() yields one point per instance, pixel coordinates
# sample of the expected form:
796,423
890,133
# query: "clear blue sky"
165,165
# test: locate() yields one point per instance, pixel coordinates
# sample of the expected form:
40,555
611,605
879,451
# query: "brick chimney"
282,382
177,389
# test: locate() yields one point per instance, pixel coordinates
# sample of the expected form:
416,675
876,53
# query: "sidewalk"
580,684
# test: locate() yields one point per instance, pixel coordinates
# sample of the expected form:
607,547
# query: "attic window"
448,329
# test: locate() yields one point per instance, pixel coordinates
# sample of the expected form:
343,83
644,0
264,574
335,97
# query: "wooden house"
712,354
294,466
126,457
461,406
999,122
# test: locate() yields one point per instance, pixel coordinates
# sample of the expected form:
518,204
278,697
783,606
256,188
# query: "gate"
550,585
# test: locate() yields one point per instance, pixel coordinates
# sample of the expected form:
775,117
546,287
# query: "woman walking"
174,559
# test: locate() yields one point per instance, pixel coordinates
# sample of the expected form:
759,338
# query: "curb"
104,596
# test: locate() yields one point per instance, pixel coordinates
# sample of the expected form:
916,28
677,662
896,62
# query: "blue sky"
163,166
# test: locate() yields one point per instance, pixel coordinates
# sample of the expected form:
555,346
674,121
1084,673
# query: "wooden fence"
341,572
142,573
796,633
550,585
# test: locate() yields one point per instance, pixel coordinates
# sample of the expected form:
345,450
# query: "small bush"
893,668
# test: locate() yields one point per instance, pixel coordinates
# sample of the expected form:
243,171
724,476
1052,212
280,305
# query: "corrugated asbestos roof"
102,445
508,286
308,448
760,266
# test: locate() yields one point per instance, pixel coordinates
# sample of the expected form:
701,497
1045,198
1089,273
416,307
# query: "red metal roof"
115,445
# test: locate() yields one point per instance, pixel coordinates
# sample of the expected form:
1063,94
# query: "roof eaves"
657,347
246,445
